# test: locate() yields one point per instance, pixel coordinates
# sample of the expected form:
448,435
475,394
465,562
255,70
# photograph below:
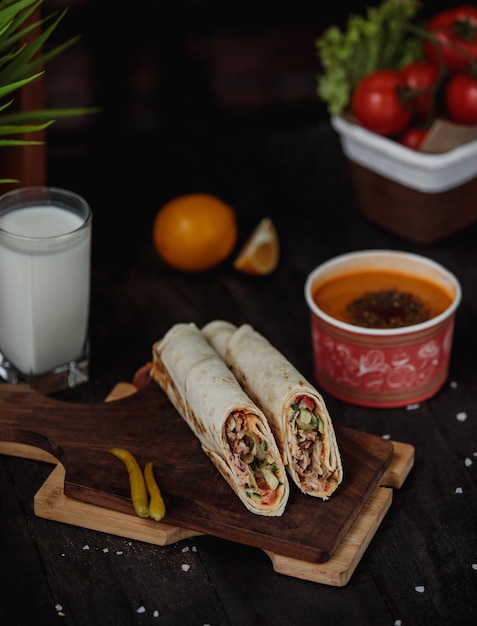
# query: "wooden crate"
419,217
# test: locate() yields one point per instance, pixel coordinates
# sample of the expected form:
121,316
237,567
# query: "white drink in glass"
44,286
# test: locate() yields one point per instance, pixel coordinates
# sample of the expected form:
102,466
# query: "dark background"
195,95
177,78
186,65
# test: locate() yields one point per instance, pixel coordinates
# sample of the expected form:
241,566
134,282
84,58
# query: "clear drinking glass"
45,267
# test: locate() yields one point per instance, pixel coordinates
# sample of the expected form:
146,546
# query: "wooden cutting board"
316,540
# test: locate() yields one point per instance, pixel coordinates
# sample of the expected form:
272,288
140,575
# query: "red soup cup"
382,367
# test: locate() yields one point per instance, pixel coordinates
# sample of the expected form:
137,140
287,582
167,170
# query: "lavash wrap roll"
210,400
306,440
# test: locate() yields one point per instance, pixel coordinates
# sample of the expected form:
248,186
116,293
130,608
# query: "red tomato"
413,137
376,103
461,98
422,78
456,34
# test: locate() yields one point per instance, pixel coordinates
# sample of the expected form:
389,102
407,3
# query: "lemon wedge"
261,252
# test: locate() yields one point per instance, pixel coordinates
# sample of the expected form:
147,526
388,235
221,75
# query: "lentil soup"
381,298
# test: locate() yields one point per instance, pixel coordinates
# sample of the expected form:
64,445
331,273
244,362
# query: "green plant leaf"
23,55
29,57
25,117
4,91
26,128
20,142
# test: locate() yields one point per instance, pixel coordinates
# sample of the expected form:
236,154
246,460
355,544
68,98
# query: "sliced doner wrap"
295,410
232,430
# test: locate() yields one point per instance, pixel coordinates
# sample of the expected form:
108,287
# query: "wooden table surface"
421,566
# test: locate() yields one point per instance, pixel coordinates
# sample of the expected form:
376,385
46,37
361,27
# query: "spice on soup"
387,308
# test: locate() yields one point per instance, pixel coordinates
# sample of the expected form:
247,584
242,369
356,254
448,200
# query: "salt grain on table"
461,417
185,567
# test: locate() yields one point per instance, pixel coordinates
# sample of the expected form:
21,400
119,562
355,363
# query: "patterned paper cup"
382,367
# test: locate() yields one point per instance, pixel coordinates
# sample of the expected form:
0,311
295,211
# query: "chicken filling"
306,436
252,461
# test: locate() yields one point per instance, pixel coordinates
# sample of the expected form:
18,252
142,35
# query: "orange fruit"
261,252
195,232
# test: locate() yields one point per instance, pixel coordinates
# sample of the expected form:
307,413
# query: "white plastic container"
418,170
419,197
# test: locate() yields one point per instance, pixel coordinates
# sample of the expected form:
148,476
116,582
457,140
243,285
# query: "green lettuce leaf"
381,39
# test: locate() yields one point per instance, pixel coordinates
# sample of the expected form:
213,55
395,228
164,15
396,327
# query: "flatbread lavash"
210,400
307,443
